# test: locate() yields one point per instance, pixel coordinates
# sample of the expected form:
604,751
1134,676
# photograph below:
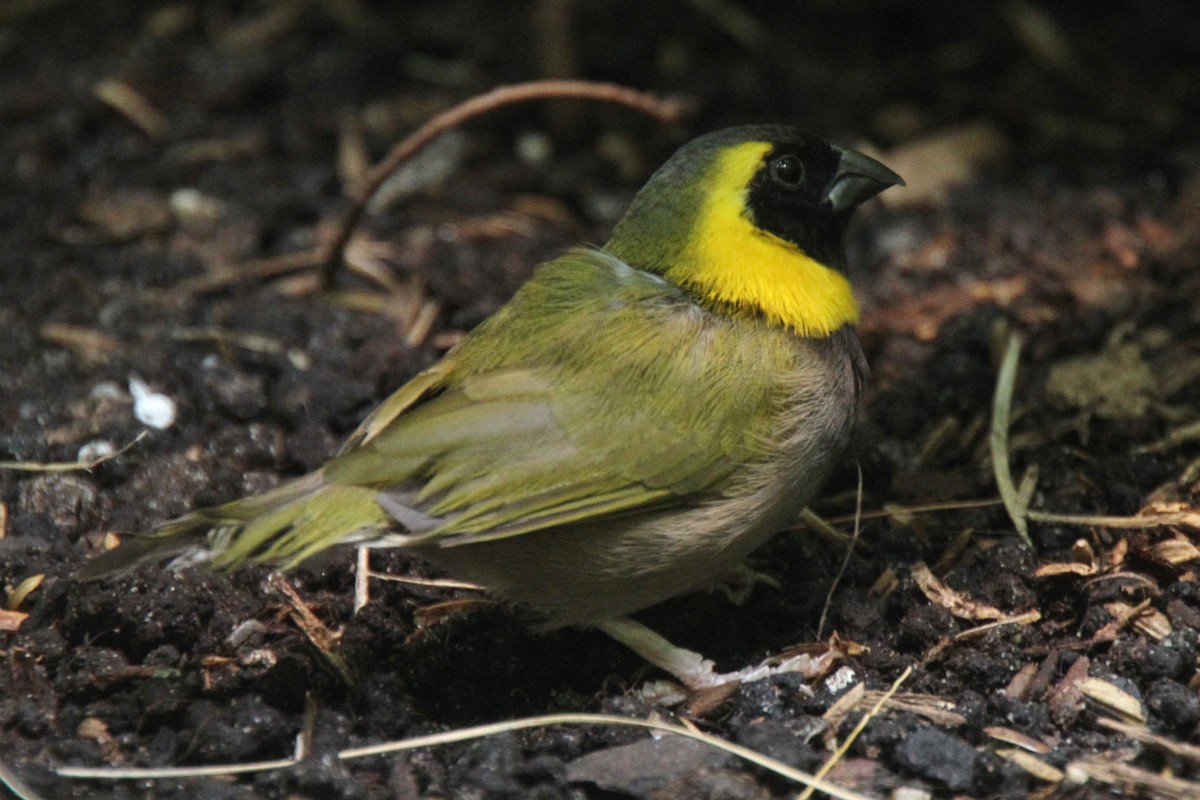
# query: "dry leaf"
958,604
1149,621
1126,615
1085,563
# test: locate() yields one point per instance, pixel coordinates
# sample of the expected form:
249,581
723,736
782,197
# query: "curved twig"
666,110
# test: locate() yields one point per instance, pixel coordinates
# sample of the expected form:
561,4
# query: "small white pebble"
840,680
910,793
299,359
190,206
94,451
150,407
534,148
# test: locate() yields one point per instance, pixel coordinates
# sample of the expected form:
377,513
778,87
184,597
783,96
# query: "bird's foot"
739,583
693,670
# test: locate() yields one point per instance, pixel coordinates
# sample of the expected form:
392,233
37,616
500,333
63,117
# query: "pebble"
150,407
938,756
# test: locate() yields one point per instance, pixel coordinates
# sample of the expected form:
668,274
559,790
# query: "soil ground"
157,159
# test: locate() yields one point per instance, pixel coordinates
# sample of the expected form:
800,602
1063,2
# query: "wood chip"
10,621
1031,764
956,602
1113,699
97,730
437,613
1015,737
840,709
1018,686
885,584
133,105
1066,700
1116,556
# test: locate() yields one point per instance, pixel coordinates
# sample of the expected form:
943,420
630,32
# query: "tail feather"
285,525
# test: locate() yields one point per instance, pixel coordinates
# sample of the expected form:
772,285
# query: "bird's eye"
787,171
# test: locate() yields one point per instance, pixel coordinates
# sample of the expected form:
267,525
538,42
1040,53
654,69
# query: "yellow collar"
729,261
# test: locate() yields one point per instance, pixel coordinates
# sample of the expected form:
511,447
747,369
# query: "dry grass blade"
273,266
69,466
1001,415
1189,519
845,746
480,731
666,110
17,786
891,511
153,773
1028,618
846,558
932,708
131,103
1140,781
437,583
1138,733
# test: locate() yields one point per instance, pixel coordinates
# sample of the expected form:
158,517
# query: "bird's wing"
600,391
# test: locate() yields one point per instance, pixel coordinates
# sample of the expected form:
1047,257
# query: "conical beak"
857,180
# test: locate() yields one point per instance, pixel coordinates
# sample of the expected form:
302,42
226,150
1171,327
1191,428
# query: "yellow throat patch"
732,261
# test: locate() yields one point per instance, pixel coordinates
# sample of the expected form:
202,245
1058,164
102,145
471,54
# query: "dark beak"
857,180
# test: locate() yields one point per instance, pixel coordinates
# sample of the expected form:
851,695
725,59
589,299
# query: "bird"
629,427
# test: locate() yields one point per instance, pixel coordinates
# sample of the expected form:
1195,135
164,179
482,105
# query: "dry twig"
668,111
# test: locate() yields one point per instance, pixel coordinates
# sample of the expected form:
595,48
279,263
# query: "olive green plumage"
611,437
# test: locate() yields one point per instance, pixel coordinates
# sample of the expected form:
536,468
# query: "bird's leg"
690,668
738,584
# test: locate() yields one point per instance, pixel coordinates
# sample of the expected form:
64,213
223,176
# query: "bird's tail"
284,525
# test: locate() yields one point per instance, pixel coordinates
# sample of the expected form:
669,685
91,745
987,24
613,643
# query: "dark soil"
121,241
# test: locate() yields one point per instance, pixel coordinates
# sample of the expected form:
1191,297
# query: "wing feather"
600,391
